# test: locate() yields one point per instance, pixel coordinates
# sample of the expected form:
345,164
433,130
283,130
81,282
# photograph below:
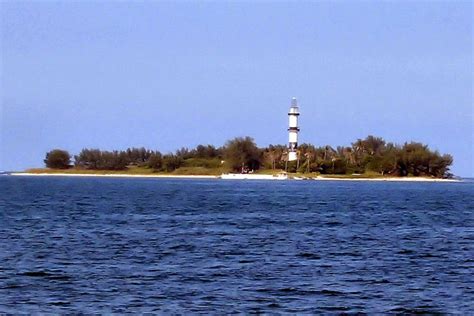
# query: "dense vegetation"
369,155
58,159
372,154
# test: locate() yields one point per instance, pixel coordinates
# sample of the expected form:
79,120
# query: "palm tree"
308,156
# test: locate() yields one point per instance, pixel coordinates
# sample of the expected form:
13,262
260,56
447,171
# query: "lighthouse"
293,130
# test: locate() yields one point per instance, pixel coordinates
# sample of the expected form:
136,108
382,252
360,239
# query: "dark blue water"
153,245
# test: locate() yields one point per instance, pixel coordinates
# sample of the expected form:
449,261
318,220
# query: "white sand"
263,177
252,176
393,179
113,175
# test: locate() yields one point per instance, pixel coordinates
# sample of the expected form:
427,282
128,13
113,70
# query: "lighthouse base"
292,156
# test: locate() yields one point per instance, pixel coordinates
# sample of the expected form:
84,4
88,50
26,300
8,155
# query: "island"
369,158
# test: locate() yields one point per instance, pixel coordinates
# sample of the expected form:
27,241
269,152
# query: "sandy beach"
392,179
256,177
112,175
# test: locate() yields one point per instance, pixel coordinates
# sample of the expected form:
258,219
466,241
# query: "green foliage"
201,151
333,166
96,159
171,162
202,162
138,156
206,151
371,155
242,153
291,166
155,161
58,159
274,157
416,159
184,153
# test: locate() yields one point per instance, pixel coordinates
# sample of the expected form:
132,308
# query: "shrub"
58,159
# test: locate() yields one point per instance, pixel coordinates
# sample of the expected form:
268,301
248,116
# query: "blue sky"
163,75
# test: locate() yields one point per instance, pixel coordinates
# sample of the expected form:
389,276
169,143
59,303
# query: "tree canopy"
241,154
372,154
57,159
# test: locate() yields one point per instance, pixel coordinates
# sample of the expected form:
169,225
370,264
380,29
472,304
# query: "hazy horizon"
164,75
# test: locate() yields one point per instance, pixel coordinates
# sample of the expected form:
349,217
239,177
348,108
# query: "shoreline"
389,179
113,175
163,176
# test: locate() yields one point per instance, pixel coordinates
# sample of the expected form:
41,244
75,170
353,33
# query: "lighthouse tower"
293,130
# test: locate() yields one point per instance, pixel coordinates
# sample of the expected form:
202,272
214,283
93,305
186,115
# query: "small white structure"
293,130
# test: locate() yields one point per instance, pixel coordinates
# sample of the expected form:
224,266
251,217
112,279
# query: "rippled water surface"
150,245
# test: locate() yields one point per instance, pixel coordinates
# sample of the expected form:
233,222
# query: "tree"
269,159
171,162
242,153
88,159
373,145
102,160
155,161
439,165
115,160
137,156
205,151
371,154
57,159
418,160
183,153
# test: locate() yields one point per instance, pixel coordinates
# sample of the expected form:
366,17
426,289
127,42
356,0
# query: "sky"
166,75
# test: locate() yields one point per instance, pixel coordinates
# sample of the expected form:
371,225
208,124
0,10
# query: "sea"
77,245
